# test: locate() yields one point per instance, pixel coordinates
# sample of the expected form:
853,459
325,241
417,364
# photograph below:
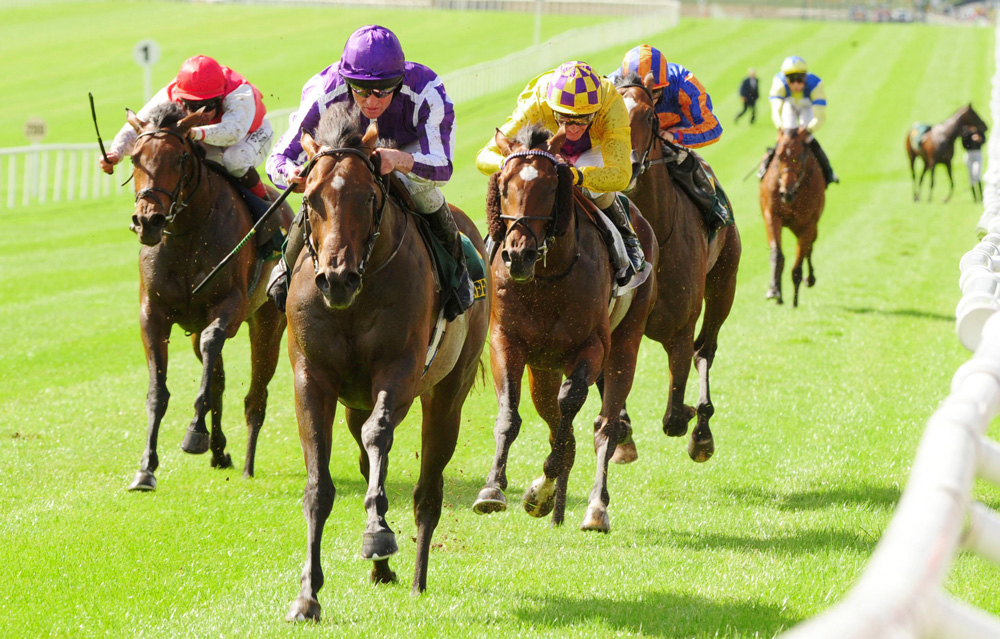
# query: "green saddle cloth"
447,268
917,134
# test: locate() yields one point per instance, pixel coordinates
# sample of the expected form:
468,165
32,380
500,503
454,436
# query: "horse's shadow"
879,497
658,614
900,312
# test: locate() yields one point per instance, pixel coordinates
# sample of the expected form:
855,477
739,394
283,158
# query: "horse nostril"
505,256
529,256
157,221
135,222
352,281
322,282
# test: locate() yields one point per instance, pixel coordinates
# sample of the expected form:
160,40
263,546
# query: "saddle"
270,237
918,132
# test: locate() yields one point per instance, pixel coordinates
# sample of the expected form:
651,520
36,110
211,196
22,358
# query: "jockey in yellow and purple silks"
684,109
798,99
598,142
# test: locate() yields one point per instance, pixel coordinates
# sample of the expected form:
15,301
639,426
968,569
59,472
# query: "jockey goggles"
211,104
365,92
574,120
796,77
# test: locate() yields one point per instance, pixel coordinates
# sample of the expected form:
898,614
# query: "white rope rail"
901,595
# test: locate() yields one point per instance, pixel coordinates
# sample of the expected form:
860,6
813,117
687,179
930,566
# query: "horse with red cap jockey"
414,114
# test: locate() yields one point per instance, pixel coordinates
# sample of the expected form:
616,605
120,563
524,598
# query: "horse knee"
572,395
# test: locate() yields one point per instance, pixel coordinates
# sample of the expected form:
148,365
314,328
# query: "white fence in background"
901,594
67,172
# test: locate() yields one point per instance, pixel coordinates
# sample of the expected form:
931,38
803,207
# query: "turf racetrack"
818,409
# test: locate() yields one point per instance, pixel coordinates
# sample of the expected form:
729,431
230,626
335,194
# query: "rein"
377,213
644,161
173,197
802,159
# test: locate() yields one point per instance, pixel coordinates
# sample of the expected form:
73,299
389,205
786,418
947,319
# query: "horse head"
530,199
791,154
643,122
345,201
967,116
165,168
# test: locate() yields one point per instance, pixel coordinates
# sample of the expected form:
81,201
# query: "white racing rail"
67,172
901,593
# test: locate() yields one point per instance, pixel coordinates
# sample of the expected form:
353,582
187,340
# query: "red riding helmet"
200,78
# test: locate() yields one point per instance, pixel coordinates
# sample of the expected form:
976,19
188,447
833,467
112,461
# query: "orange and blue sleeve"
697,125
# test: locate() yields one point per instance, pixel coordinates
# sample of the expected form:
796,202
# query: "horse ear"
556,141
134,120
370,138
564,200
198,118
648,81
494,225
502,141
309,145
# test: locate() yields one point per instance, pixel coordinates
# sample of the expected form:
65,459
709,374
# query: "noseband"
173,197
546,241
377,213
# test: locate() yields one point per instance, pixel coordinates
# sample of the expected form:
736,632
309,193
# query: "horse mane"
533,136
630,78
166,115
338,128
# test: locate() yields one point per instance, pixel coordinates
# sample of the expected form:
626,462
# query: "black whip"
93,114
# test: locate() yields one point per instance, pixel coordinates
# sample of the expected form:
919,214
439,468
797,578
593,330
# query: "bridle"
176,205
545,243
378,211
801,161
644,162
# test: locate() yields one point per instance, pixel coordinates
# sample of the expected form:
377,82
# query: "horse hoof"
195,443
379,545
625,454
225,462
811,281
540,497
701,451
676,426
303,609
490,500
596,519
144,481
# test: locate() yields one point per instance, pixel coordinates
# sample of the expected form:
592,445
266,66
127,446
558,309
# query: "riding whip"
253,231
752,171
93,114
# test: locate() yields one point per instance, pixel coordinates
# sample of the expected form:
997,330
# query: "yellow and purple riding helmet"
645,59
793,64
574,89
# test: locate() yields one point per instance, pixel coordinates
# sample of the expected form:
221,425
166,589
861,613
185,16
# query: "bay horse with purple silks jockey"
694,270
553,312
792,195
936,145
363,305
188,217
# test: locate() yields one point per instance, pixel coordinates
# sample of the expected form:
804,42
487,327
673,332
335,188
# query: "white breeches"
426,193
974,160
246,154
594,157
792,116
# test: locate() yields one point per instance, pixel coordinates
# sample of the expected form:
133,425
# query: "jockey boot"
694,180
824,162
277,284
442,224
251,180
619,217
765,163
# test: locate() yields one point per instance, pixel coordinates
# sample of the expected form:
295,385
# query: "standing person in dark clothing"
973,139
749,94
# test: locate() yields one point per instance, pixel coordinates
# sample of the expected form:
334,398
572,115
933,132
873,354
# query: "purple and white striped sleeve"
434,117
288,152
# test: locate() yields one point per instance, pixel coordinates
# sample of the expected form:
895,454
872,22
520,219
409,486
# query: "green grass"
818,409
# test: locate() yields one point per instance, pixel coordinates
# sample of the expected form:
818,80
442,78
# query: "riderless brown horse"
362,308
792,195
693,271
553,289
937,146
188,217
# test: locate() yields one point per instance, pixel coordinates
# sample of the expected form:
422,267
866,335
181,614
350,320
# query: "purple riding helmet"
373,58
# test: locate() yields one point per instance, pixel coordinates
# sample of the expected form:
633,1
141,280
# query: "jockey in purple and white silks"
412,109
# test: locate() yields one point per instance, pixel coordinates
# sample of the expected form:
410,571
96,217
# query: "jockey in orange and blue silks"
684,109
681,102
798,99
593,115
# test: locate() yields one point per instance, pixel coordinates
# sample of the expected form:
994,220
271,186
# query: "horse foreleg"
951,182
392,397
930,191
442,416
629,454
720,291
777,269
920,184
315,410
544,387
381,572
208,346
803,252
266,326
507,364
155,335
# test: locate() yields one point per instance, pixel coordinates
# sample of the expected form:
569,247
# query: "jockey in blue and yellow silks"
684,110
798,99
593,115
